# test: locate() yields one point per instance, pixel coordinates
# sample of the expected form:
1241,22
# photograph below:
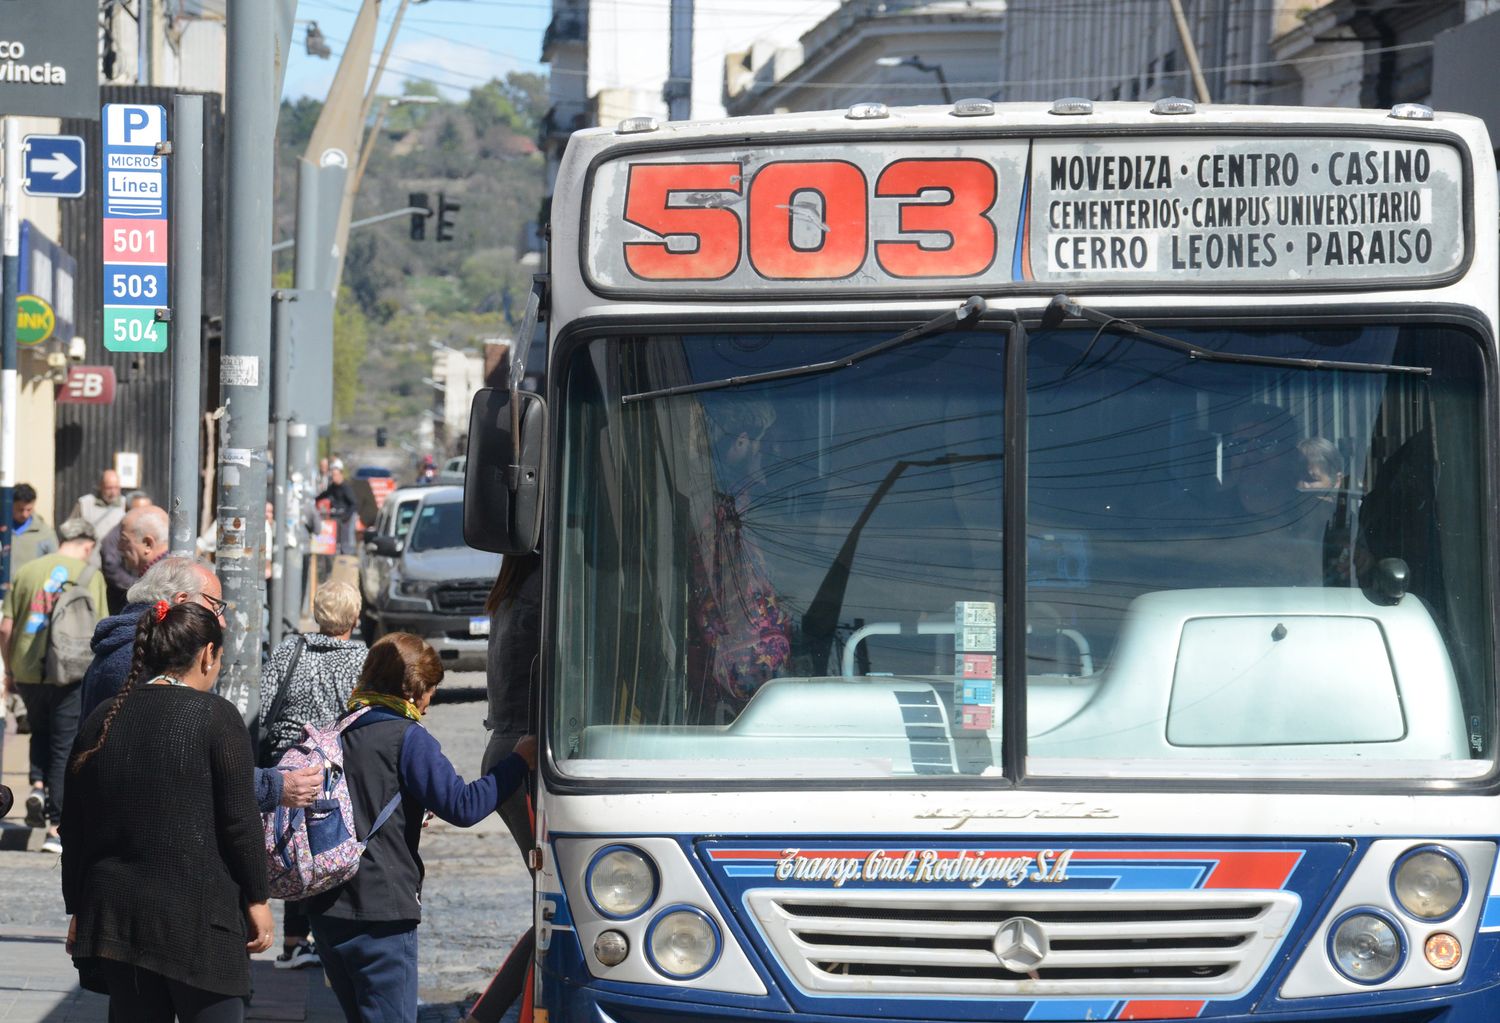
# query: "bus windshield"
1251,571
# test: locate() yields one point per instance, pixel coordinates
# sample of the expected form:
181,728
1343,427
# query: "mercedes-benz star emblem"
1021,945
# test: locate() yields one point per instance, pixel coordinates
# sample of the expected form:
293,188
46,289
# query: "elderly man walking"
105,507
27,630
137,543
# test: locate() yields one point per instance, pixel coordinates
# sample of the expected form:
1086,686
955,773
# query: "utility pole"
187,319
10,389
1190,48
679,88
244,370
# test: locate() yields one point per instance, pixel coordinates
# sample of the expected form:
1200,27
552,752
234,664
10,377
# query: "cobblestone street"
476,898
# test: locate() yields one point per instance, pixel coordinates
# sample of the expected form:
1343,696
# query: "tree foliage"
400,297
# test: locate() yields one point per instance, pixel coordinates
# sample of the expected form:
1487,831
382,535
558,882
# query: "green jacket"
39,538
28,604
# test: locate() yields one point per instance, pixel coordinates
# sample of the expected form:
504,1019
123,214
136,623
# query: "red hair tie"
161,609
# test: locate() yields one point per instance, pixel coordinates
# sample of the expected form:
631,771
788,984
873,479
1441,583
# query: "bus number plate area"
987,214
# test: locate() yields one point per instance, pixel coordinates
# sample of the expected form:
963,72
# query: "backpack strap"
384,815
357,720
279,702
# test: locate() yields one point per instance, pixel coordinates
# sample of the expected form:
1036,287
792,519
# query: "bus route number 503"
810,219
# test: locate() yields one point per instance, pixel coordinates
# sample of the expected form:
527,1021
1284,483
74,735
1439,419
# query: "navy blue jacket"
114,646
396,755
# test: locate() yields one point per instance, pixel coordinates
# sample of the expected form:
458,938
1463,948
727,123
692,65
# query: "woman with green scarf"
366,929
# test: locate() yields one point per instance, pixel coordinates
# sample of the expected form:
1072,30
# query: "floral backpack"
313,849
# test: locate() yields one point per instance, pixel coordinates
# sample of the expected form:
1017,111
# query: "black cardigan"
162,842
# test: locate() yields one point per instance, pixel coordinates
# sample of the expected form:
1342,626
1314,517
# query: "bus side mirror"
503,494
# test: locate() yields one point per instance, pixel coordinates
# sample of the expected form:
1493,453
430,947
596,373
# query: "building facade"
899,52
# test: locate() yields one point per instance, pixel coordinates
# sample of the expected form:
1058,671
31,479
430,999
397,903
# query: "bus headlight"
1429,883
683,943
1366,946
621,881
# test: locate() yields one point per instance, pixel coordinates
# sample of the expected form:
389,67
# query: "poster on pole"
135,232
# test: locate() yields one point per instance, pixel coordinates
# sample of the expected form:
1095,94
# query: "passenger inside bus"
739,633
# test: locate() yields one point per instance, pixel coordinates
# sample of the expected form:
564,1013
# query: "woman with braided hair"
164,868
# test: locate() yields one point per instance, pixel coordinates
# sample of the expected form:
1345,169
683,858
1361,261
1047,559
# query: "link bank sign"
49,58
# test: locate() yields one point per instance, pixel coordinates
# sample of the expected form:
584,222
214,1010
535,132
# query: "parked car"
417,575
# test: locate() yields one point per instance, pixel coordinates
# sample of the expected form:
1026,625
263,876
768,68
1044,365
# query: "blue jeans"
371,966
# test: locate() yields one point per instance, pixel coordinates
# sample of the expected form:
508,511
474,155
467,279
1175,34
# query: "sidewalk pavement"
38,983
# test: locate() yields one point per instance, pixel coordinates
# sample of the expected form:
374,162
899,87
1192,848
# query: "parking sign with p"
135,227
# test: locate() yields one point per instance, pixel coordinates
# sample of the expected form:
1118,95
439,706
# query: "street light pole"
245,370
10,388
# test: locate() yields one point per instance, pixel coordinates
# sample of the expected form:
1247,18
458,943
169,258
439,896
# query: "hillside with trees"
401,297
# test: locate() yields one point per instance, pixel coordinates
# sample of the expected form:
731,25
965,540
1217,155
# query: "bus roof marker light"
1411,112
1174,105
868,112
637,125
1072,106
973,108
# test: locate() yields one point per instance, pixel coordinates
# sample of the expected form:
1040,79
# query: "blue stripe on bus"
1073,1009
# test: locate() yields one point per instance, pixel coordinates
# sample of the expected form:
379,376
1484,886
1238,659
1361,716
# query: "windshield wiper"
971,310
1062,307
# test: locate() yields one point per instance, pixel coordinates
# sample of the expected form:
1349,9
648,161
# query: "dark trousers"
295,925
515,811
141,996
371,966
53,713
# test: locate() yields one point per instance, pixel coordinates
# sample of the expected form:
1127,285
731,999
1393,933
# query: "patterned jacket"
319,693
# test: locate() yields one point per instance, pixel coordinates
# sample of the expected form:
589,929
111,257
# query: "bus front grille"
988,944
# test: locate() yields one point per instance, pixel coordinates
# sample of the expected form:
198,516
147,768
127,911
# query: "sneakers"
36,809
52,844
296,958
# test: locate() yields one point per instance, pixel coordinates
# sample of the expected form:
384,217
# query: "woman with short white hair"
308,680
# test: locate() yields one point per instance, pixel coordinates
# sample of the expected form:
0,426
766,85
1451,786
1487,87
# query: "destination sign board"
991,214
135,227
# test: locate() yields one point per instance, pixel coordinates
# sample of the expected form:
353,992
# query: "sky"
455,44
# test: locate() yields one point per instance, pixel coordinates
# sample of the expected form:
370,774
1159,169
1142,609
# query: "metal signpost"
135,228
53,166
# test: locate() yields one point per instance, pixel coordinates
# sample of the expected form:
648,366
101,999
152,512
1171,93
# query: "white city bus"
1011,562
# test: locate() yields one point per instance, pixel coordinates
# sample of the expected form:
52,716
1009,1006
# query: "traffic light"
418,201
445,213
380,436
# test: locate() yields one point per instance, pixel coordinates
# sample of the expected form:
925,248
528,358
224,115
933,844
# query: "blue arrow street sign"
54,166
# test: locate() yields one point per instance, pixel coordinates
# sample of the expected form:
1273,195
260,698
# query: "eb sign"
88,385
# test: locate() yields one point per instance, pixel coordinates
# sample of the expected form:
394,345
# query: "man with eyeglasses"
177,580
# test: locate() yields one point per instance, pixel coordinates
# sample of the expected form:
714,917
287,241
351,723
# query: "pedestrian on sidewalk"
342,505
177,580
367,928
52,700
105,507
308,680
30,535
134,545
164,868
